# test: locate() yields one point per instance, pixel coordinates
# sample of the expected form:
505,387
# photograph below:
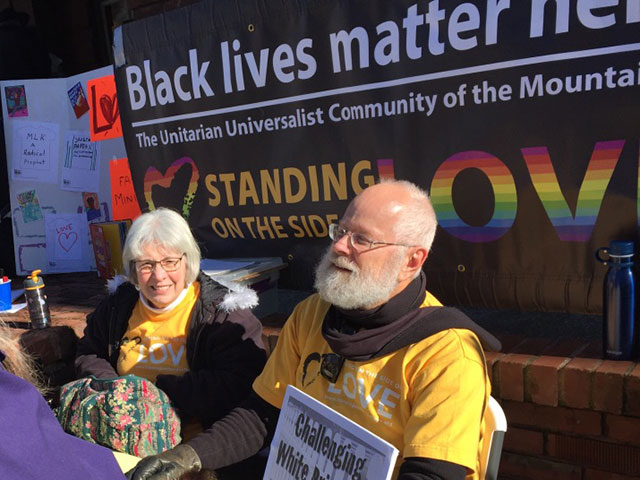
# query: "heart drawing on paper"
109,108
153,177
67,240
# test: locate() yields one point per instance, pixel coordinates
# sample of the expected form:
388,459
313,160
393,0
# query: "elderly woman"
174,325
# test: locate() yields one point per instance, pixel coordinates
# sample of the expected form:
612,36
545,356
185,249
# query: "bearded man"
371,323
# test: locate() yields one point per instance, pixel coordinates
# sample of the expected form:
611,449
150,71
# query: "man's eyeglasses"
358,241
169,264
331,366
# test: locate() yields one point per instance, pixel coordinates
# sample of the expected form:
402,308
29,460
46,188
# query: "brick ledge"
586,383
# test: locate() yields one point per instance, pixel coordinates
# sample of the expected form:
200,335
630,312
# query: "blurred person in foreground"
35,447
170,323
373,324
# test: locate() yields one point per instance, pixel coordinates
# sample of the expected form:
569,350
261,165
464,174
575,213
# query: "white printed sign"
81,167
35,152
313,441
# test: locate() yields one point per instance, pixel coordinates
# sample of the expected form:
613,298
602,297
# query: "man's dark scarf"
396,324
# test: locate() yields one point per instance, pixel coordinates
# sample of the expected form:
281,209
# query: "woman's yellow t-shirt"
155,342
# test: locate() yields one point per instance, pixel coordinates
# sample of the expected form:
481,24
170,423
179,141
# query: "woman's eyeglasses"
358,241
169,264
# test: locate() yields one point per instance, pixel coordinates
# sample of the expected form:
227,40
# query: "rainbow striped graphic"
578,227
385,168
153,177
504,189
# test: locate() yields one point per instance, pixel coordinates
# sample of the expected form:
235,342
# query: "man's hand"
169,465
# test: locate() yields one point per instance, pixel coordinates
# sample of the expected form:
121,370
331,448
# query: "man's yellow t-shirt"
427,399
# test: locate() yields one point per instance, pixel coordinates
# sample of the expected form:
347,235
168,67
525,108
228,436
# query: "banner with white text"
260,121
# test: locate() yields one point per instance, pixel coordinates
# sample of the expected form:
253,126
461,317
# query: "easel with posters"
60,135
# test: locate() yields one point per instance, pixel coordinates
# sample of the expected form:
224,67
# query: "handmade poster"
81,169
124,202
105,114
16,101
91,206
314,441
78,100
67,241
35,152
29,206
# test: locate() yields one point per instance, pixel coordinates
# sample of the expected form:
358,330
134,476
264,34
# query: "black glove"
169,465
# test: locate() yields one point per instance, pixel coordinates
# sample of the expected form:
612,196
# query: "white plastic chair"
495,426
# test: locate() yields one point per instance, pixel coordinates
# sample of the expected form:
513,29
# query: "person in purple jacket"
35,447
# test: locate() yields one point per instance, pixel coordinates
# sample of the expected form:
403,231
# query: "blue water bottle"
619,300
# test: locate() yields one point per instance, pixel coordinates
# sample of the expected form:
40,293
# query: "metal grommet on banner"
250,27
602,254
290,257
462,268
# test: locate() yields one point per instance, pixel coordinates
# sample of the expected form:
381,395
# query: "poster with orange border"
104,118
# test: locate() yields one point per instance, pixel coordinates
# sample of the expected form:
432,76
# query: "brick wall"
569,418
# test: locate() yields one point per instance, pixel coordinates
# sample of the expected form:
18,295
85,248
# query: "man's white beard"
356,288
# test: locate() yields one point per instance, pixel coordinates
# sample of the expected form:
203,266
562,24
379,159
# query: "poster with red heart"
104,118
67,240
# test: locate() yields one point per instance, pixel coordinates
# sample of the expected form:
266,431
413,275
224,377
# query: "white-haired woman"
174,325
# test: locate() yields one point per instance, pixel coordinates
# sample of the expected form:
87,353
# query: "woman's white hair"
417,224
164,228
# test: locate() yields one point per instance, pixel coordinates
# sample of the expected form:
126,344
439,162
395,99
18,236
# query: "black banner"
260,121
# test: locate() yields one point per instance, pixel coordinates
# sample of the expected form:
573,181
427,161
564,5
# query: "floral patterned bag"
128,414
